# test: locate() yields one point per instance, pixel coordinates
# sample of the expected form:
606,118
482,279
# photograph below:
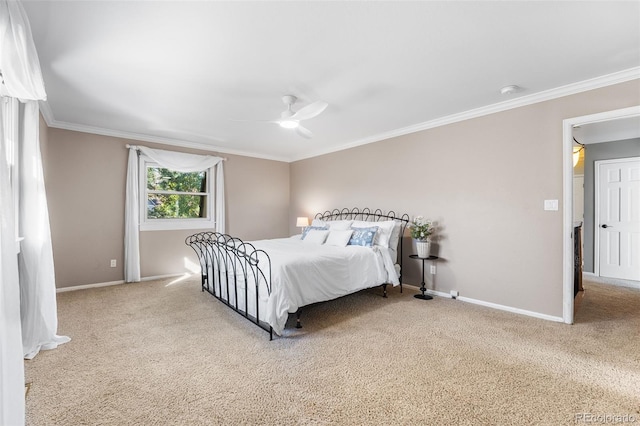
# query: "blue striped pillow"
309,228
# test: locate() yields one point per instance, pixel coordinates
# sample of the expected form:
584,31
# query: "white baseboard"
86,286
494,305
110,283
512,309
611,281
439,294
431,292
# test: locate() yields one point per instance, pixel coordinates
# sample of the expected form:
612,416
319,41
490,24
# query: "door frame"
567,197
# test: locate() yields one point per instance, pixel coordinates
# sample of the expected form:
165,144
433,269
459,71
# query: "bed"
341,252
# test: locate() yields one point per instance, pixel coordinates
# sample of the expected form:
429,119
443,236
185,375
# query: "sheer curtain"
18,58
27,291
131,218
177,161
11,363
38,308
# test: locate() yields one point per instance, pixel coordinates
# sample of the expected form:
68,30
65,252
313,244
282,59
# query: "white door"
618,218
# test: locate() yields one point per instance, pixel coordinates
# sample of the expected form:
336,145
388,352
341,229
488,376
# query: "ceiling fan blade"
304,132
310,111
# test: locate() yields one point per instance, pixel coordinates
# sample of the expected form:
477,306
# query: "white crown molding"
46,112
570,89
51,122
558,92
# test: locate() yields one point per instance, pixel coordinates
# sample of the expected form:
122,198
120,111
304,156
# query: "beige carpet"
166,353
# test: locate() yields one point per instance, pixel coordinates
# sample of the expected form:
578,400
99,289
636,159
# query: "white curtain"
33,300
18,58
11,363
38,307
220,217
131,218
177,161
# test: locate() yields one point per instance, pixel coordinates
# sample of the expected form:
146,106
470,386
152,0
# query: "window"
174,200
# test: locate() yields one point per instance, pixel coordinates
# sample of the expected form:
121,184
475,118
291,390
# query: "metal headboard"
367,214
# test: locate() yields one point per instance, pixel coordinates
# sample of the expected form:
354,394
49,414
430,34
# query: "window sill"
175,225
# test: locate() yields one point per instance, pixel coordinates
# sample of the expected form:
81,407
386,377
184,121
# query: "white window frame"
147,224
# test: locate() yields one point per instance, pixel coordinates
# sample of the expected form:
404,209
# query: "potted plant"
421,229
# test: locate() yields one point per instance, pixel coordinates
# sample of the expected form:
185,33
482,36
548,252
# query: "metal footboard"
235,273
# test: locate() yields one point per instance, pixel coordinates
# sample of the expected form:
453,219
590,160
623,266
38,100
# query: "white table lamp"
301,222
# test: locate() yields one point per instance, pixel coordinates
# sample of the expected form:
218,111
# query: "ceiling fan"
290,119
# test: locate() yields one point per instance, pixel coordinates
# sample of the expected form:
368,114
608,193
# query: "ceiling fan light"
289,124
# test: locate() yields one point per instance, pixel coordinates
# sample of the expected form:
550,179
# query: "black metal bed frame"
375,216
229,265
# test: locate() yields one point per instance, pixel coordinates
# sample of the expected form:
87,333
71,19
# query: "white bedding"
308,273
303,273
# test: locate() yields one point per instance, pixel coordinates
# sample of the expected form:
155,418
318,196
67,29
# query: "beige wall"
85,179
44,144
484,181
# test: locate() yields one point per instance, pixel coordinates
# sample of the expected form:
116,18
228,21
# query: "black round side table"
423,296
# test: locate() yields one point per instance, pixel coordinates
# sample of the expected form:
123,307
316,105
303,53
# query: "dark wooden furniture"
577,258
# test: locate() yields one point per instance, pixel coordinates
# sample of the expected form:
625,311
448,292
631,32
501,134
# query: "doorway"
568,193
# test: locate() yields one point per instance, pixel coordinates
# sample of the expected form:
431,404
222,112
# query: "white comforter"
305,273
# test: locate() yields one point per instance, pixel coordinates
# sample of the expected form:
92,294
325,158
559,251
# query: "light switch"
551,205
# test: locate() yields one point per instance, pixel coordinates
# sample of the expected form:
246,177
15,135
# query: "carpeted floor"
165,353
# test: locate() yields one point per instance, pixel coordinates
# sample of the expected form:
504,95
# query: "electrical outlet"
433,269
113,263
454,294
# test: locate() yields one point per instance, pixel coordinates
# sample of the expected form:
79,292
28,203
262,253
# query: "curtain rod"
129,146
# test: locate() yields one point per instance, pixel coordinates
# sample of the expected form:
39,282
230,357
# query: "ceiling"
187,73
608,131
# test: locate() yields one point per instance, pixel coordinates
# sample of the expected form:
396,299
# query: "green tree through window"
178,195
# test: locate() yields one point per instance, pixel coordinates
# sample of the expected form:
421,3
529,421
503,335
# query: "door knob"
605,226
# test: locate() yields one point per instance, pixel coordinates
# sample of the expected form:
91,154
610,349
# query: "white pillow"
316,236
318,223
394,240
384,230
395,235
306,230
338,225
339,238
